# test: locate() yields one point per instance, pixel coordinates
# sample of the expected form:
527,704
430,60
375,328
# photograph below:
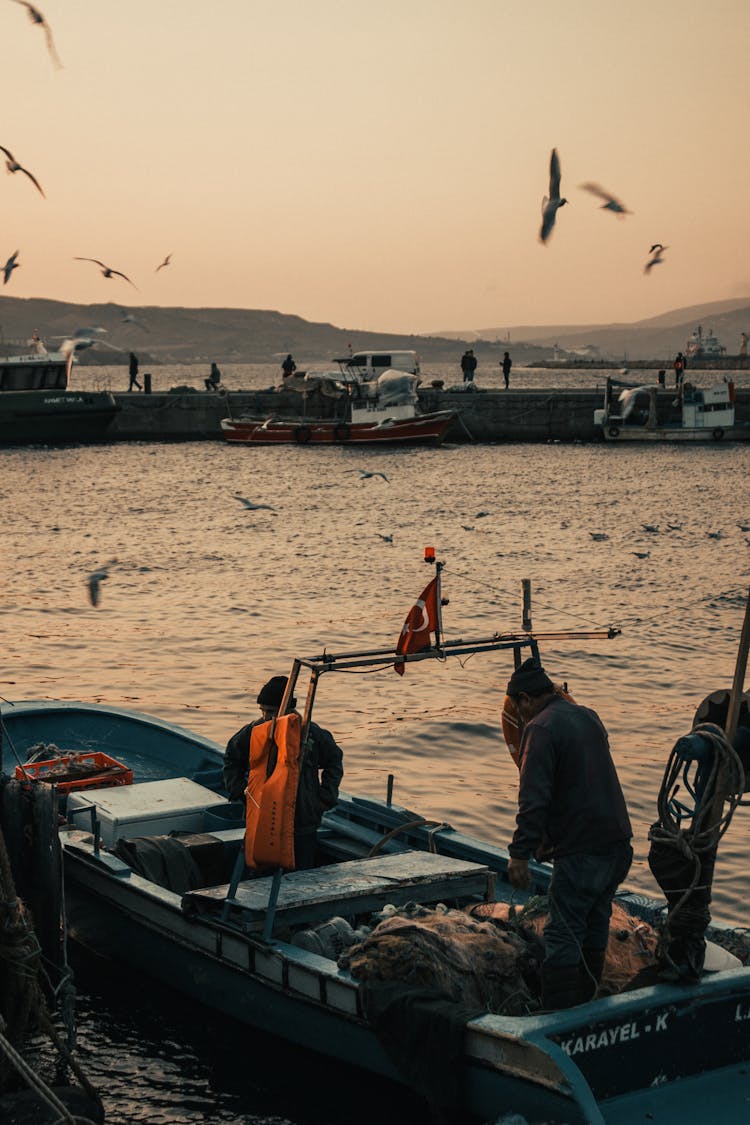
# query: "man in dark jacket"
570,801
321,770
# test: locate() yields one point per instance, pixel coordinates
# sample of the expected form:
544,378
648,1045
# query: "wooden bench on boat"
358,886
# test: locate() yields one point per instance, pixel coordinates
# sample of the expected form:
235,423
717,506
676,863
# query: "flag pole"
439,599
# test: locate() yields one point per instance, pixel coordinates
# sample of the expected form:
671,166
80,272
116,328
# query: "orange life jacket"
513,726
271,800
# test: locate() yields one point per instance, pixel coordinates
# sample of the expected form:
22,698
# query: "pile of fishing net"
488,956
466,959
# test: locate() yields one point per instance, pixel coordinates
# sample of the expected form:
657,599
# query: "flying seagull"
13,166
611,202
641,554
251,507
656,252
598,536
166,262
551,205
36,17
364,474
9,266
107,271
128,318
653,528
385,538
93,584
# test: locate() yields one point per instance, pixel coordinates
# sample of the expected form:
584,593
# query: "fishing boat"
689,414
369,411
277,949
36,404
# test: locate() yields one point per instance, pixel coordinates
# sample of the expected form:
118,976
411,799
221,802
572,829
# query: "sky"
379,166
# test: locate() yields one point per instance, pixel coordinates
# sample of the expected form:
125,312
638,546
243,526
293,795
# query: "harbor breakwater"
483,416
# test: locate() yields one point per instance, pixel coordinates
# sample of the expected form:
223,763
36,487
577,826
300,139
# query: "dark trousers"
580,902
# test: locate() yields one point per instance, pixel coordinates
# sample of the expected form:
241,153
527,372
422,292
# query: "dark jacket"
321,771
569,793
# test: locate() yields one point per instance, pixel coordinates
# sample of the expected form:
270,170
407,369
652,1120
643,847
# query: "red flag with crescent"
421,620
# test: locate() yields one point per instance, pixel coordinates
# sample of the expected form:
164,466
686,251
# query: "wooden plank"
356,886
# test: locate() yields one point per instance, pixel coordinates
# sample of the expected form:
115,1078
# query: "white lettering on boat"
622,1033
742,1012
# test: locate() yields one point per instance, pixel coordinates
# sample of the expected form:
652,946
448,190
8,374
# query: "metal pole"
526,621
735,698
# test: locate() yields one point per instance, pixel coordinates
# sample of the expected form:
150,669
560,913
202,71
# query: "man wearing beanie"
321,771
570,801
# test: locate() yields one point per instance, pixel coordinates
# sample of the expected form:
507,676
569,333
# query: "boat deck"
357,886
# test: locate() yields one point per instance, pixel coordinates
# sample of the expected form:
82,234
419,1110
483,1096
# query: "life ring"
302,435
717,433
342,431
614,431
512,725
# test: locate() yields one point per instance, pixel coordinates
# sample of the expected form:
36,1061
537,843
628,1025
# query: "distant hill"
657,337
182,335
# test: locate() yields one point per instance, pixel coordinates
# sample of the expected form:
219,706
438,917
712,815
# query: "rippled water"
206,600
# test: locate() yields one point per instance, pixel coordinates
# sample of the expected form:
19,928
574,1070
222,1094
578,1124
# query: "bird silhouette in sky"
365,474
250,505
656,252
107,271
36,17
13,166
10,265
552,203
611,202
166,262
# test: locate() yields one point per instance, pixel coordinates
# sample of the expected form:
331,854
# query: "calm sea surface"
206,600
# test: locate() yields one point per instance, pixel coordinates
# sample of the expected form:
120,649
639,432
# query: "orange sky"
379,166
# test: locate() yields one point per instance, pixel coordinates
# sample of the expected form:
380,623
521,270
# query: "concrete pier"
484,416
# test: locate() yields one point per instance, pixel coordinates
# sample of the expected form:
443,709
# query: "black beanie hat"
272,693
530,678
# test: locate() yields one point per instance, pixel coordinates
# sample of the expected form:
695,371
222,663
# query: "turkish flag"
421,620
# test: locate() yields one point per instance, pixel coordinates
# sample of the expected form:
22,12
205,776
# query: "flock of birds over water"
552,203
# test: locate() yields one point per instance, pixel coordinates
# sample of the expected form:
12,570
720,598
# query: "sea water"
206,599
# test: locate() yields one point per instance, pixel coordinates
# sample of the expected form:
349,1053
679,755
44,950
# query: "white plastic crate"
150,808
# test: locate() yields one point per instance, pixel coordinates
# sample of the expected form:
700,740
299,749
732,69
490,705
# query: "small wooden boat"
267,950
421,428
379,411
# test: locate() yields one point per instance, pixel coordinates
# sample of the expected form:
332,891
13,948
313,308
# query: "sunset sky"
379,165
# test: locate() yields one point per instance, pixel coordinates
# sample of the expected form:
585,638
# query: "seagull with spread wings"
13,166
552,203
611,202
10,265
107,271
656,252
36,17
166,262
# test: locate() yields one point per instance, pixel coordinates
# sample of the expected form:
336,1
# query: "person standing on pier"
133,372
506,365
468,366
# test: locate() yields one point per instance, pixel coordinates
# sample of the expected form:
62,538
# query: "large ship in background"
701,346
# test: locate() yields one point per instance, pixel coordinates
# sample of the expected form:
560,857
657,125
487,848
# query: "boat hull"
55,417
623,434
641,1054
422,428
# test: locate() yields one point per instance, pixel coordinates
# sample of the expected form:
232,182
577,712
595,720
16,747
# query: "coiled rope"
710,820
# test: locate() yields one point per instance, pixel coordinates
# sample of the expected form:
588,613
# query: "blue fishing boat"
277,949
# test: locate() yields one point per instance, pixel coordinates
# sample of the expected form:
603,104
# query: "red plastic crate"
117,774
